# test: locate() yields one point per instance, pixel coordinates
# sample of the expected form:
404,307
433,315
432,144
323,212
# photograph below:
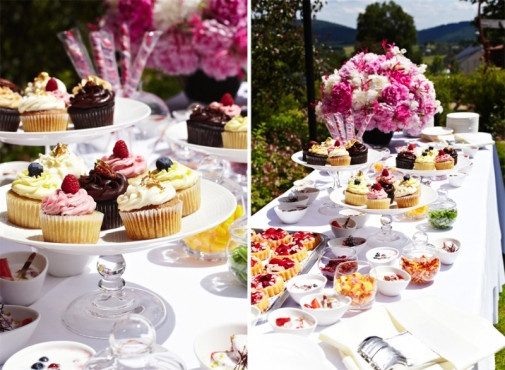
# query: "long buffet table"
475,280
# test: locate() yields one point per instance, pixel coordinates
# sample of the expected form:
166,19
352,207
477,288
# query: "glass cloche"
443,212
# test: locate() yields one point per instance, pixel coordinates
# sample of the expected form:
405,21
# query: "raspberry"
441,152
163,163
385,172
411,146
120,149
377,186
227,99
337,143
70,184
51,85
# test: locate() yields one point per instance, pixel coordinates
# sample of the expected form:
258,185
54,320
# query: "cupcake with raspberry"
69,215
9,104
26,193
377,198
338,155
132,166
105,185
444,161
406,157
185,181
453,153
387,180
92,104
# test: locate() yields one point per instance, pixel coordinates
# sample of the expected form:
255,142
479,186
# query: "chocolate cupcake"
306,147
92,104
10,96
405,160
105,186
452,153
387,180
205,126
357,151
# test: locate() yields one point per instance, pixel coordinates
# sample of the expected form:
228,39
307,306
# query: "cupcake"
61,161
377,198
235,133
406,157
150,210
185,181
306,147
361,176
407,192
425,162
105,185
317,155
357,151
444,161
387,180
26,194
356,192
69,215
338,155
452,152
133,167
92,104
9,104
44,106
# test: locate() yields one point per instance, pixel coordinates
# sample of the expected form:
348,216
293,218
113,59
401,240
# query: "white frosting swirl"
145,194
62,162
40,102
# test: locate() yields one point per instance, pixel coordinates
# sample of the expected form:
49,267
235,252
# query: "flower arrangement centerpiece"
387,92
205,35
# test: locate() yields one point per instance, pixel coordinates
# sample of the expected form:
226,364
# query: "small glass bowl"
353,280
421,262
330,257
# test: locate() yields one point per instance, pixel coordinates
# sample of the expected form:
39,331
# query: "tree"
386,21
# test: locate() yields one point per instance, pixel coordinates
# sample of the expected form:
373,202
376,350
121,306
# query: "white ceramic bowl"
311,192
278,317
216,338
290,215
68,354
291,201
457,179
254,315
447,255
305,284
326,316
15,339
23,292
360,217
382,256
341,232
391,281
470,151
360,243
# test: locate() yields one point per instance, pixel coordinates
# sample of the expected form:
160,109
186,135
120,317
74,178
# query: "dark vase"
377,137
204,89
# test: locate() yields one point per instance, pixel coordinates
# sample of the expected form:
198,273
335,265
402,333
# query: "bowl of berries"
354,242
330,257
391,281
343,227
448,249
327,307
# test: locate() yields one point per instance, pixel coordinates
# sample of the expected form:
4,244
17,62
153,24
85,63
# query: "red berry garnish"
411,146
441,152
120,149
336,224
51,85
385,172
70,184
280,321
377,186
227,99
337,143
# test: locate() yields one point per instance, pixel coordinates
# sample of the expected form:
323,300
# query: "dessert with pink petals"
122,161
377,198
444,161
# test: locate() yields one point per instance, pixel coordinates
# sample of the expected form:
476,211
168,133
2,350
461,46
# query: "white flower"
422,68
355,78
329,82
378,82
167,13
361,98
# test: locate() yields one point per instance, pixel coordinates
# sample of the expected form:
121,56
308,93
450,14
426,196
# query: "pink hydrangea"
138,14
228,11
211,37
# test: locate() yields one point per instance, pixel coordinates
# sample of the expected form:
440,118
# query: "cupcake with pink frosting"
377,198
444,161
387,180
131,166
69,215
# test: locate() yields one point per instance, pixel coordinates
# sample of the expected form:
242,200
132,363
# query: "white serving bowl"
470,150
342,242
294,314
254,315
382,256
326,316
447,257
305,284
390,288
290,215
23,292
216,338
360,217
311,192
340,232
457,179
293,201
15,339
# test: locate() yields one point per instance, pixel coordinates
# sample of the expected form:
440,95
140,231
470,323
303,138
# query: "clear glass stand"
387,236
330,208
94,313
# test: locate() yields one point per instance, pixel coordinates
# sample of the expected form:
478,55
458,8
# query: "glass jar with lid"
442,213
420,259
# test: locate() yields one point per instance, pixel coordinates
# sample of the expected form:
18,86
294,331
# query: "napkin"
462,339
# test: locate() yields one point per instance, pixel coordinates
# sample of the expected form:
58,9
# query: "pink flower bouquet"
387,92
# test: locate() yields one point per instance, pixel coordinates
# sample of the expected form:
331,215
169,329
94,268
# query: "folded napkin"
461,339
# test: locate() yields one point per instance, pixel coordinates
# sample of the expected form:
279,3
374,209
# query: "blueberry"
35,169
431,148
357,182
406,177
424,154
37,365
163,163
43,359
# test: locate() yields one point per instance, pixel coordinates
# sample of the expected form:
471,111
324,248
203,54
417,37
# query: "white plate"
70,355
178,134
437,131
285,351
373,156
218,203
126,113
428,195
463,161
473,139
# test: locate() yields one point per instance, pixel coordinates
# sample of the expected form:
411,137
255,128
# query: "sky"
426,13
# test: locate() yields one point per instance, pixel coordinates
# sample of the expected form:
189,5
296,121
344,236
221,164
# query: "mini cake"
92,104
69,215
132,166
387,180
185,181
377,198
355,193
26,194
306,147
235,133
9,104
425,162
307,239
44,106
274,237
256,266
260,250
285,267
443,161
317,155
357,150
338,155
260,300
407,193
406,157
104,185
292,250
270,284
362,177
61,161
150,210
453,153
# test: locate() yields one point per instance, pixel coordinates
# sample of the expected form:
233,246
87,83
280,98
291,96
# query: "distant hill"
338,35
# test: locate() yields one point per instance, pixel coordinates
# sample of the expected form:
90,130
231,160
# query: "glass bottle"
443,212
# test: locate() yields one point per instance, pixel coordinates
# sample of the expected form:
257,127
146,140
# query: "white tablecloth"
473,283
